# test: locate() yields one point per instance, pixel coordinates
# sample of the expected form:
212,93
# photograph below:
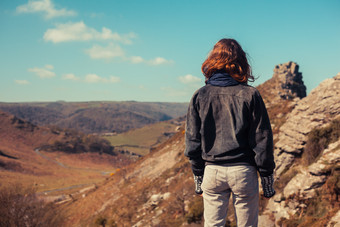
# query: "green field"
140,140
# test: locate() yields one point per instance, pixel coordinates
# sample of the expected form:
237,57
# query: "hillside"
158,189
159,186
49,160
95,117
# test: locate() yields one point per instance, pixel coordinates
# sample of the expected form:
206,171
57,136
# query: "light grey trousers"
221,181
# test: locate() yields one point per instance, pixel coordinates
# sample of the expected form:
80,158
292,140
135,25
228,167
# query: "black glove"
267,185
198,183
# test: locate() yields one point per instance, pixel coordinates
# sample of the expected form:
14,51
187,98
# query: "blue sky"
117,50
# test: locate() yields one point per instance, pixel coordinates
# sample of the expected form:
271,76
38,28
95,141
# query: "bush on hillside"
21,207
100,221
76,142
319,139
195,212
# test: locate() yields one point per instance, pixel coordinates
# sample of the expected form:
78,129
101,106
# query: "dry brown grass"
319,209
20,206
319,139
55,173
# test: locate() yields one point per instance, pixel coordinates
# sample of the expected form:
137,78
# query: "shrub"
21,207
319,139
101,221
332,184
81,143
195,212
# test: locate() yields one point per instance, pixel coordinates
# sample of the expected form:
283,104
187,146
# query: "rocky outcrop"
289,79
315,175
285,84
304,185
320,107
316,110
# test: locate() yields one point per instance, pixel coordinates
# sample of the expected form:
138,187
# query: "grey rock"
316,110
320,107
290,79
304,185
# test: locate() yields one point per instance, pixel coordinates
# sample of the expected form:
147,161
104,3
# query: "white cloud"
80,32
136,59
43,72
46,7
114,51
70,76
159,61
21,82
188,79
154,62
93,78
99,52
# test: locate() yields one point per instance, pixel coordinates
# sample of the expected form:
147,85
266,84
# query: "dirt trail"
37,151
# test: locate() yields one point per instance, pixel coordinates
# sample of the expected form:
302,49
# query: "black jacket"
229,126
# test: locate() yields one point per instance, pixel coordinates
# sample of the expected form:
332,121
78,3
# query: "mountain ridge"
96,117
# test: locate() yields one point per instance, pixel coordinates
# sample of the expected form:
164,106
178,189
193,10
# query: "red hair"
227,55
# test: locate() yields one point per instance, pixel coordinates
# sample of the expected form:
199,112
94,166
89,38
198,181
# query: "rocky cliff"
320,107
315,185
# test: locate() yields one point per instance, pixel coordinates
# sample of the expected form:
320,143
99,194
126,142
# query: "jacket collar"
222,79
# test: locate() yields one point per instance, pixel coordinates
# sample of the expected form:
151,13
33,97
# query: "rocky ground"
316,110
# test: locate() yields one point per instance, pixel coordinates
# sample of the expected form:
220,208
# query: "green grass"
140,140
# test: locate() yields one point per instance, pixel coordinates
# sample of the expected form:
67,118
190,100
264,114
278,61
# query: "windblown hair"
227,55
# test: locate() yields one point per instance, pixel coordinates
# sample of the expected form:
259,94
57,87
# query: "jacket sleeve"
193,148
261,136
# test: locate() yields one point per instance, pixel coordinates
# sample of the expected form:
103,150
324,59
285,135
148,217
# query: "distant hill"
96,117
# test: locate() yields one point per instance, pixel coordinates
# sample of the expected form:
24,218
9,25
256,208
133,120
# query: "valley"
140,177
23,160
